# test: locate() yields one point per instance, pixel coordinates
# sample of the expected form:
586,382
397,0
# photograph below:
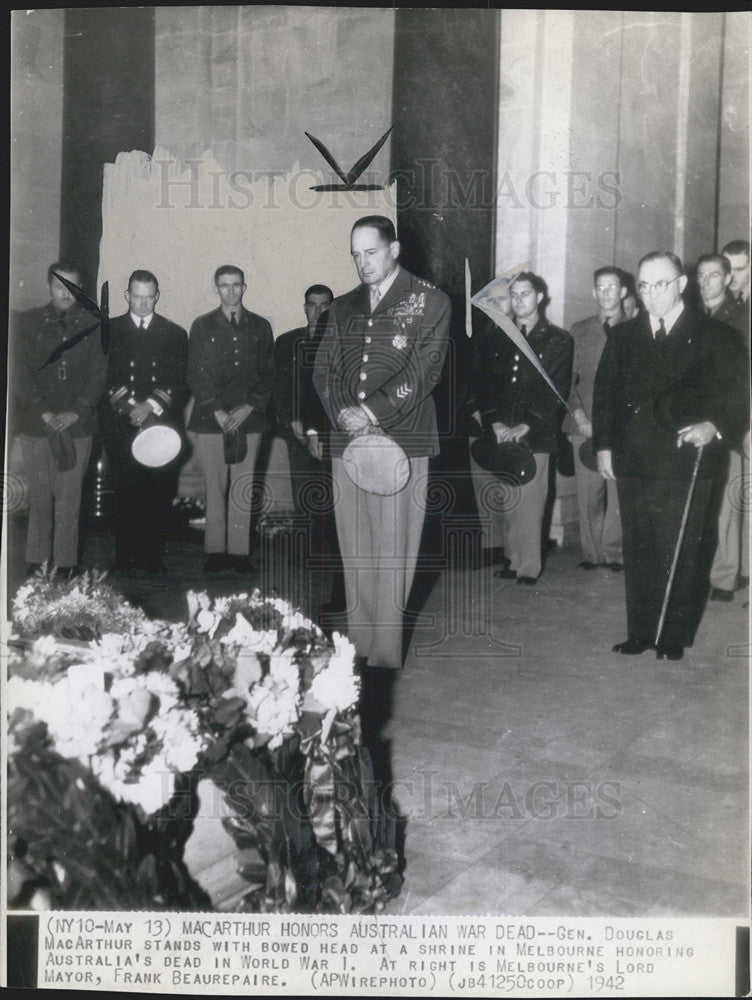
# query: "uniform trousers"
523,517
492,500
54,501
229,494
598,507
651,512
732,554
379,538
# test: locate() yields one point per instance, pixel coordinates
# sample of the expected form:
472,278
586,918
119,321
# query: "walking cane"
680,539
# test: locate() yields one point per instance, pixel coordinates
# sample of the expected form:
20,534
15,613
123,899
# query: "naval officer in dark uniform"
380,358
145,382
652,460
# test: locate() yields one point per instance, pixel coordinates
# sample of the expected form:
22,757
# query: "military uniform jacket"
734,314
390,361
72,383
294,359
634,370
511,390
150,364
228,367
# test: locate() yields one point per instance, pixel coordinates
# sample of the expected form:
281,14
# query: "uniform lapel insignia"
406,309
400,341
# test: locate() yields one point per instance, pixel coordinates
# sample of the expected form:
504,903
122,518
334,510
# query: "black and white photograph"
376,493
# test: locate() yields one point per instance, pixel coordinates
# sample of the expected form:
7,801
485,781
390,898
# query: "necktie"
740,298
233,319
606,327
523,330
141,325
375,297
660,333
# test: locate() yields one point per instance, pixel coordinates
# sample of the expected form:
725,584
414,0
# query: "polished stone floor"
537,772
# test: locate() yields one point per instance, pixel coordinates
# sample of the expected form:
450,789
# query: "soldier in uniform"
55,417
145,381
231,375
518,405
380,358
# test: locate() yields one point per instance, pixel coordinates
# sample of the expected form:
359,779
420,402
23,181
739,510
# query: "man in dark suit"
145,384
53,411
518,405
231,375
294,353
653,460
597,502
731,557
380,359
301,420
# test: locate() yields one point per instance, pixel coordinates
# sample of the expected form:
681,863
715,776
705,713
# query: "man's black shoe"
669,651
718,594
242,564
632,647
215,562
586,564
615,567
505,574
526,581
743,582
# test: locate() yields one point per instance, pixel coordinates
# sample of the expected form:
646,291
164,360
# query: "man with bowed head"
380,358
670,382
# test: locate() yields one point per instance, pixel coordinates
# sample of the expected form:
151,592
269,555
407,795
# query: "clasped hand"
60,421
353,421
231,421
504,433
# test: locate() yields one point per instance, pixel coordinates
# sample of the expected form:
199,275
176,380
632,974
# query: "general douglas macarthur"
380,358
653,464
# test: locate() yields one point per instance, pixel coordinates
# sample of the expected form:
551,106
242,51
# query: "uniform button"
154,364
237,364
361,395
515,367
365,357
516,357
368,340
133,364
370,322
363,376
514,378
153,378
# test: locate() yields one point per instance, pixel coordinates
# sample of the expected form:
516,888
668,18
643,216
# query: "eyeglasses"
645,287
714,275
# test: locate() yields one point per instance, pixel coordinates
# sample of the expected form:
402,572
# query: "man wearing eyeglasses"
731,562
653,462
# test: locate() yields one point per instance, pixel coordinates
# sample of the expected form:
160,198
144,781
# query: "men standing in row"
731,555
231,375
517,403
597,502
145,382
55,417
380,359
670,351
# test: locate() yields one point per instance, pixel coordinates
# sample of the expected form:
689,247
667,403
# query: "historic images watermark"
430,186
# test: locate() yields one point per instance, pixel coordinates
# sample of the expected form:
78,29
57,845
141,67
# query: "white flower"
221,605
284,671
207,621
336,686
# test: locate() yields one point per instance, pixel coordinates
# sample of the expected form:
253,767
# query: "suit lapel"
399,287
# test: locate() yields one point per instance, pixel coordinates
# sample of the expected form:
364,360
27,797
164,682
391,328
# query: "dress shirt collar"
138,320
668,320
385,285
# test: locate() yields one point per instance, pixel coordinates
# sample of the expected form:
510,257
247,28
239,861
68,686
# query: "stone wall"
35,151
247,82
